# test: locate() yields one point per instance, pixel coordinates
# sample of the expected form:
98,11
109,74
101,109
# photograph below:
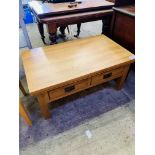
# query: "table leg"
44,105
53,38
41,30
52,30
62,30
120,81
78,30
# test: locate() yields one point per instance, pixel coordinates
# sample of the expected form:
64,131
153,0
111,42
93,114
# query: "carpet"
73,110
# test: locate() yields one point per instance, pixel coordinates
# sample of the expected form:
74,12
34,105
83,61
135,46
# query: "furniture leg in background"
62,30
78,30
41,31
106,23
52,30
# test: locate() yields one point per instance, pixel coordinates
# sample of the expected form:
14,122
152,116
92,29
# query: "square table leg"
44,105
120,81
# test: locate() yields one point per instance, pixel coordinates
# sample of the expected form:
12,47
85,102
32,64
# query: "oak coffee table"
56,71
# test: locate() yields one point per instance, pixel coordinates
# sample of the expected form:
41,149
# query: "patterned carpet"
74,110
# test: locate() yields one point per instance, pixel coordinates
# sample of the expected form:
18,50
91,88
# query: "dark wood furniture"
123,26
123,2
56,15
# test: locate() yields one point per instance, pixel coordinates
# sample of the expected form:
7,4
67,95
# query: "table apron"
75,19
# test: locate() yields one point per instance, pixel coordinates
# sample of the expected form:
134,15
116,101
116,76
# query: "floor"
110,133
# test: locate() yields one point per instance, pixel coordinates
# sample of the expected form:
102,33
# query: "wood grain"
77,86
120,81
123,26
98,79
43,102
53,66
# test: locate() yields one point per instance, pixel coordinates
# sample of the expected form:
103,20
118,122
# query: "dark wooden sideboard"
123,26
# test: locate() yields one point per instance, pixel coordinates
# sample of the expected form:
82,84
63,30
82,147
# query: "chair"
24,114
22,109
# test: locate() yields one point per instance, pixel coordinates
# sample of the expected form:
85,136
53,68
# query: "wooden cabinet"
123,26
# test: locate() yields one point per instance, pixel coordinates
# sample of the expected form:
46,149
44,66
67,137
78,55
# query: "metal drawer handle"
107,75
69,89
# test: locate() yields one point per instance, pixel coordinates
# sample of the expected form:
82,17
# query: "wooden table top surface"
46,9
53,65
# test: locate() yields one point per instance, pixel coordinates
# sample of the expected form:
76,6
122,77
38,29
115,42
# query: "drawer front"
106,76
69,89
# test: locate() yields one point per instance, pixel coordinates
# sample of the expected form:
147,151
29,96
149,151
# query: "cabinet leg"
44,106
120,81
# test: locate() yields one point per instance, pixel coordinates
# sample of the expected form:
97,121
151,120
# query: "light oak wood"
80,63
100,78
24,114
52,66
75,87
120,81
43,102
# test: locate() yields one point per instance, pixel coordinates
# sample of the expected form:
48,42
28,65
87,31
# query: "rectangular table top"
48,9
49,66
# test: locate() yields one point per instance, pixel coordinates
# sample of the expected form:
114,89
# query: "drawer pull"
69,89
107,75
